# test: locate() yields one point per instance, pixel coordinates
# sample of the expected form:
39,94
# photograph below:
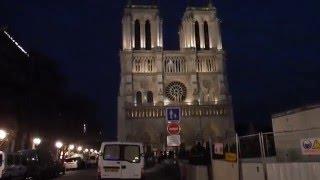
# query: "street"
158,172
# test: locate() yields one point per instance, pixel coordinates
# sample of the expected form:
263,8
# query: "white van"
120,160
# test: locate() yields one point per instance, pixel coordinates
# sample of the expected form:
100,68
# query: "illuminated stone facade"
192,77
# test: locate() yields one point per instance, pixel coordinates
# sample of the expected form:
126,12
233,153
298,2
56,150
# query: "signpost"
173,117
173,128
173,140
173,114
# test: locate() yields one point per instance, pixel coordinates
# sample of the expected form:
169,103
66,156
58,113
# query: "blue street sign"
173,114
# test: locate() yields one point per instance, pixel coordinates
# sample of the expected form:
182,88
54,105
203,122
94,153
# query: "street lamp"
59,144
79,148
71,147
91,150
86,150
3,134
36,141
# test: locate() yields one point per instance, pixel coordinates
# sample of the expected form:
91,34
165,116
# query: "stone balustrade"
136,112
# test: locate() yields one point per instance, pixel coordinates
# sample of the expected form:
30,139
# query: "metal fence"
279,146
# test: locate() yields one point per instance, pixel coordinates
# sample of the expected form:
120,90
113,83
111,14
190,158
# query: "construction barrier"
252,171
223,170
193,172
293,171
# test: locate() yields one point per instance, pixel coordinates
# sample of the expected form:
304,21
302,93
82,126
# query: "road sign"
173,140
173,128
173,114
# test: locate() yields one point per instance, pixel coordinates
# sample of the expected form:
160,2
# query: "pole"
263,156
210,170
238,160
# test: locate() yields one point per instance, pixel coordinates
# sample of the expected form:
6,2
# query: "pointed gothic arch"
139,98
137,44
148,35
206,35
149,97
197,34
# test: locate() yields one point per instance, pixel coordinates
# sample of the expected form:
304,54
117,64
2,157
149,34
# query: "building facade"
192,77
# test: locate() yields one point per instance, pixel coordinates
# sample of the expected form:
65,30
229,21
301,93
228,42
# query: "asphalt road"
85,174
159,172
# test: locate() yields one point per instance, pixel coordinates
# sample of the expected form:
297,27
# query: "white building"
291,127
192,77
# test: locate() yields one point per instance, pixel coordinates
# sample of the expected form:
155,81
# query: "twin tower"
192,78
142,28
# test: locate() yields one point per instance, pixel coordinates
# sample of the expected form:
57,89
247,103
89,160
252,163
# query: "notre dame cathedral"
192,77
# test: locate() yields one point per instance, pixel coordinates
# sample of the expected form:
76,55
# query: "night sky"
272,49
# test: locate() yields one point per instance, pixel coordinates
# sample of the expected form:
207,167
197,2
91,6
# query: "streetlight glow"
3,134
91,150
36,141
71,147
79,148
59,144
86,150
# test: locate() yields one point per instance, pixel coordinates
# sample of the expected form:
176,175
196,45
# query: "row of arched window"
137,35
175,65
206,35
143,64
139,97
206,64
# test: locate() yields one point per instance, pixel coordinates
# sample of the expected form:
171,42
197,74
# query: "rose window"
176,91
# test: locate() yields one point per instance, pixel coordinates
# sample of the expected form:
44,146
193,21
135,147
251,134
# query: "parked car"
121,160
11,166
39,163
74,163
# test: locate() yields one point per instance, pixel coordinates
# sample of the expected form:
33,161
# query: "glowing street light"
59,144
91,150
71,147
36,141
79,148
3,134
86,150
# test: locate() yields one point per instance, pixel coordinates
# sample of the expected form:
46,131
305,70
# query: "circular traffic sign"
173,128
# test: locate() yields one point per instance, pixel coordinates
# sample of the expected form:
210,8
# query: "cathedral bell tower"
141,27
200,29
